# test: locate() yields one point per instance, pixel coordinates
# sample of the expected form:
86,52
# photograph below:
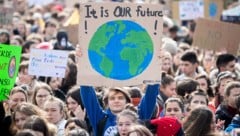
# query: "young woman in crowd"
167,89
125,120
41,93
174,107
199,122
205,85
56,113
54,83
22,113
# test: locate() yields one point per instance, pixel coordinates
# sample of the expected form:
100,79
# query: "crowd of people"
199,93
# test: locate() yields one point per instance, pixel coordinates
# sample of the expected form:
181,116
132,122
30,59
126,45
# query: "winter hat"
116,89
167,126
169,45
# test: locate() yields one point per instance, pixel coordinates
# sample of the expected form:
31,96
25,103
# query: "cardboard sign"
120,44
218,36
49,63
73,33
193,9
9,64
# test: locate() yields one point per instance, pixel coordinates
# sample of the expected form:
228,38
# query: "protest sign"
193,9
73,31
49,63
9,64
6,15
120,43
189,10
218,36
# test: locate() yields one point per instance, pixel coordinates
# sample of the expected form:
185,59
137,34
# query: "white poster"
49,63
189,10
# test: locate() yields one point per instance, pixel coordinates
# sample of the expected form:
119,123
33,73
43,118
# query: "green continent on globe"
120,49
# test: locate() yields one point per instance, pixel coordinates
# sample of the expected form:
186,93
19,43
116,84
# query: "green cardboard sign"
9,64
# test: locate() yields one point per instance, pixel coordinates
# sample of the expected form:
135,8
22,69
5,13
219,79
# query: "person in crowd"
115,100
227,110
22,113
74,103
125,120
54,83
39,125
224,62
62,42
196,99
41,93
222,80
205,85
25,78
17,96
135,94
167,89
188,66
73,123
167,65
50,30
27,45
200,122
235,123
139,130
4,37
56,113
174,107
186,87
70,78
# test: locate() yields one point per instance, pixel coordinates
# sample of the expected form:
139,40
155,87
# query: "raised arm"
148,102
94,111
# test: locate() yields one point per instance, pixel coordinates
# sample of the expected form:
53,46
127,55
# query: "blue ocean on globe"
120,49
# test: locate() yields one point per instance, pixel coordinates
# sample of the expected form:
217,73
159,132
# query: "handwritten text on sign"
50,63
189,10
10,58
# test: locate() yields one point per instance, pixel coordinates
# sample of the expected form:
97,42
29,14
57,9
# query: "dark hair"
81,123
27,45
177,100
197,92
209,88
166,79
36,123
74,93
224,59
186,86
71,79
190,56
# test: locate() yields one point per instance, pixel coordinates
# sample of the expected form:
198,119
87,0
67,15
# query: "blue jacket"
234,124
96,113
